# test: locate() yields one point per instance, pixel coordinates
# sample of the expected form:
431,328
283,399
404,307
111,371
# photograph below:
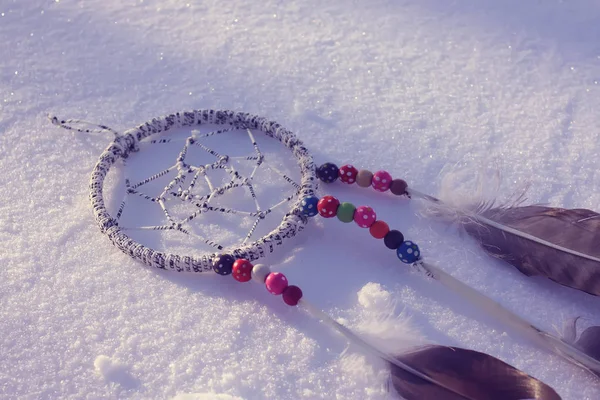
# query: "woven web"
185,187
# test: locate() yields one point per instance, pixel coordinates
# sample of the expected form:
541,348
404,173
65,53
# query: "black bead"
224,264
393,239
328,172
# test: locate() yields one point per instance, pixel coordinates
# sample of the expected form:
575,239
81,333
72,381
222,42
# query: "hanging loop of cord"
87,127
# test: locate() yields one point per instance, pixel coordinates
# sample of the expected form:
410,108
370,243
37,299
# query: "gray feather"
464,374
567,249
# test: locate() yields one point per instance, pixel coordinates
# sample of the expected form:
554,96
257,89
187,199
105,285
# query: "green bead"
345,212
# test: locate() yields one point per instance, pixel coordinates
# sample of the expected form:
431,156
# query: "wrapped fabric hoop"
125,144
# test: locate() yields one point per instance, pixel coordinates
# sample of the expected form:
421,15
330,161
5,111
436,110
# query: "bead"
276,283
381,181
408,252
260,273
328,207
223,265
242,270
309,206
348,174
364,216
345,212
393,239
292,295
379,229
398,187
364,178
328,172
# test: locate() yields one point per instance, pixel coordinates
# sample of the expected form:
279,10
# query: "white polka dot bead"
364,216
408,252
348,174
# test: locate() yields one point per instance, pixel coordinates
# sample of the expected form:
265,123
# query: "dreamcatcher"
192,192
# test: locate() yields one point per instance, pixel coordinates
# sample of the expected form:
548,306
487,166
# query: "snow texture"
410,86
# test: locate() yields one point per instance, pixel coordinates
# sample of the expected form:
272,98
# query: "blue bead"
408,252
309,206
223,265
328,172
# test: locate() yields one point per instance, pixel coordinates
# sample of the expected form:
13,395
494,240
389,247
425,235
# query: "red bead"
364,216
348,174
328,206
242,270
381,181
379,229
292,295
276,283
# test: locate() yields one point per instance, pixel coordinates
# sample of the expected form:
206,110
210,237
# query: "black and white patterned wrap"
126,143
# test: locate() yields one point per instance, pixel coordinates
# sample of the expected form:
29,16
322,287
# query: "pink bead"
292,295
381,181
348,174
276,283
364,216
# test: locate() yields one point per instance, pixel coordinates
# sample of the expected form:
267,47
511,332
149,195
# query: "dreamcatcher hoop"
128,142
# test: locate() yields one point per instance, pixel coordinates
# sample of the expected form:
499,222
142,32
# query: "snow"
413,87
114,371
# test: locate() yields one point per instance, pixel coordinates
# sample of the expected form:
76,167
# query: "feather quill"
551,242
583,353
447,373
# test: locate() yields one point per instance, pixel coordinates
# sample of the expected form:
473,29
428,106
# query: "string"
175,188
69,125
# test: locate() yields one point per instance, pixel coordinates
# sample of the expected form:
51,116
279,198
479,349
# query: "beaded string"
243,271
381,181
365,217
327,207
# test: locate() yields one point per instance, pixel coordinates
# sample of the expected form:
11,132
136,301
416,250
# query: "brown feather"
464,375
576,230
447,373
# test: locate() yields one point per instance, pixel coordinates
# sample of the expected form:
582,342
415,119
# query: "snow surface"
408,86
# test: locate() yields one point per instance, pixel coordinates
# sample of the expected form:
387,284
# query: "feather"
556,243
562,245
469,374
447,373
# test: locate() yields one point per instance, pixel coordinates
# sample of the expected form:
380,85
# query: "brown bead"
364,178
398,187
